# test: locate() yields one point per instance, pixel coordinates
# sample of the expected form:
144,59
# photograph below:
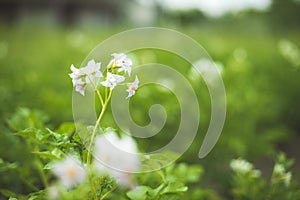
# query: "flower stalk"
114,75
89,155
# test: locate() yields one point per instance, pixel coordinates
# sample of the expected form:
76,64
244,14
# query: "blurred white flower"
280,174
92,71
241,166
117,157
70,172
256,173
287,178
279,169
112,80
53,192
133,87
121,60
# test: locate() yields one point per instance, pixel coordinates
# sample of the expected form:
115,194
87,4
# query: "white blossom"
255,173
116,156
121,60
76,74
83,76
69,171
76,77
281,173
112,80
92,71
53,192
241,166
279,169
133,87
287,178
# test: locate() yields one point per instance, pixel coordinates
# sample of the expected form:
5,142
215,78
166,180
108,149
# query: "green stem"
97,91
42,174
39,165
107,193
100,97
89,155
30,185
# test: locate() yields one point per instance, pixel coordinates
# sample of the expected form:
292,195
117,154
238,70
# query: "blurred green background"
258,51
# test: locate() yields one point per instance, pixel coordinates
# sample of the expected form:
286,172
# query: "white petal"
73,68
91,63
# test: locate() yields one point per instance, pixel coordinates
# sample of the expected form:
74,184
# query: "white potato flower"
117,157
287,178
240,165
112,80
83,76
121,60
53,192
133,87
92,71
76,74
279,169
69,171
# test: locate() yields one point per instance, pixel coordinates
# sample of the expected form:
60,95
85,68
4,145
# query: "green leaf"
184,172
28,132
171,197
10,194
174,187
67,128
34,133
139,193
5,166
54,154
48,166
157,191
157,161
24,118
40,195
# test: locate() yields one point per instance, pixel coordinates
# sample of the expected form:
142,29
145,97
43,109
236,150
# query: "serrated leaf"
54,154
28,132
33,133
67,128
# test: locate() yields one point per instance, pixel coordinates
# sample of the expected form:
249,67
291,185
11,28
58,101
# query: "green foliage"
281,185
261,76
173,182
49,146
25,118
